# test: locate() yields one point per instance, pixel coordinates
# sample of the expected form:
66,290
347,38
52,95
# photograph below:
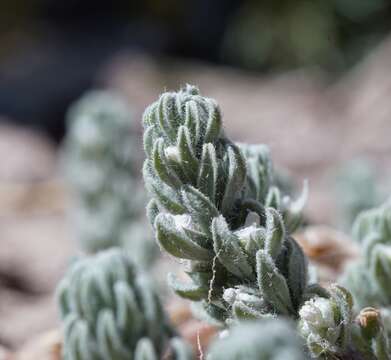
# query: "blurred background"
310,78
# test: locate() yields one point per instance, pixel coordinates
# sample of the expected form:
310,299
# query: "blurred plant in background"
103,163
282,34
357,189
110,311
262,340
369,278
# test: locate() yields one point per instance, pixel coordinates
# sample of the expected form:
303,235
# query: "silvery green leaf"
275,232
165,116
145,350
213,127
166,196
297,272
315,290
152,211
209,312
260,170
199,206
176,242
91,289
376,220
273,198
108,337
294,209
207,178
149,116
187,157
228,251
267,339
272,284
161,167
128,316
78,341
148,140
236,178
251,238
188,291
344,302
381,269
198,237
192,121
181,350
242,311
62,298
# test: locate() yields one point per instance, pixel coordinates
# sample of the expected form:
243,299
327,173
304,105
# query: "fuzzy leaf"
108,337
152,211
187,157
207,178
177,243
128,316
297,272
273,198
381,268
188,291
165,116
228,251
344,301
272,284
145,350
275,232
166,196
148,139
243,311
161,167
192,121
198,237
236,178
213,127
199,206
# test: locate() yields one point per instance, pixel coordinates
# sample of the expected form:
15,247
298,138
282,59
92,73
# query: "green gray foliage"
331,332
356,189
102,164
205,190
370,277
261,340
326,323
217,207
109,311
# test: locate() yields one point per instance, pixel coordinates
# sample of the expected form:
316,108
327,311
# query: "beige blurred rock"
27,155
36,250
34,253
5,354
198,334
47,196
23,316
44,347
179,311
330,250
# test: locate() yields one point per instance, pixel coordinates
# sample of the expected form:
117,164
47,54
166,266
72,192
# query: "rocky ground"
311,126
